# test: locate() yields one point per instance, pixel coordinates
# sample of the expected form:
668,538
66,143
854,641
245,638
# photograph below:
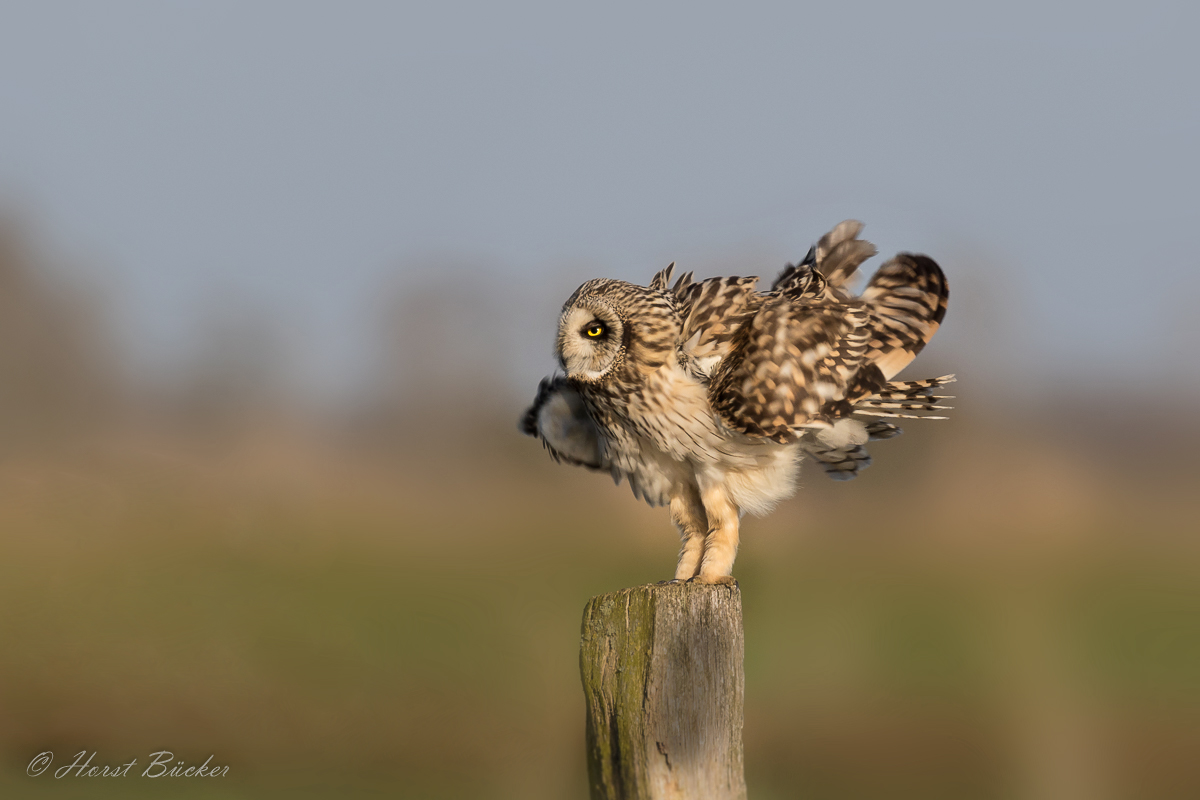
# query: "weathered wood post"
662,676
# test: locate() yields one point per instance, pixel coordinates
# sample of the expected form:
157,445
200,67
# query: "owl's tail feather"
894,414
899,396
928,404
841,464
915,387
878,430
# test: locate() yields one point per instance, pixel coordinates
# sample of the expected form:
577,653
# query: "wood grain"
662,677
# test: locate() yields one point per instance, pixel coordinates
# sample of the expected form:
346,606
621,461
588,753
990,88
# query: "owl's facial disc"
589,339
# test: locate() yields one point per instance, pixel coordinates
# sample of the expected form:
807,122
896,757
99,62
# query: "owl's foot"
714,580
668,583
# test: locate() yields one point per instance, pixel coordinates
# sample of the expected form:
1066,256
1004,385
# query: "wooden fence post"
662,676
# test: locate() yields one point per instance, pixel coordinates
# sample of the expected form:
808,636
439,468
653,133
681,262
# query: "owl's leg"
721,544
687,513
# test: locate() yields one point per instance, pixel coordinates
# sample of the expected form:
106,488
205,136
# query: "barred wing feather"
786,363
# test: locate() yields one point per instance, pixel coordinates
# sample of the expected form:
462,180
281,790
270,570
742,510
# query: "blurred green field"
335,623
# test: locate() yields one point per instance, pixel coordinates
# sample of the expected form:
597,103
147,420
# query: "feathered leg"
721,544
688,515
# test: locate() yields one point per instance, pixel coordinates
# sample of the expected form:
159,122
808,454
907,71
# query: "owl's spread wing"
559,419
907,301
712,310
907,298
787,364
840,252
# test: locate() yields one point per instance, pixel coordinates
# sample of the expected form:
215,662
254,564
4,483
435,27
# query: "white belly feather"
676,439
670,439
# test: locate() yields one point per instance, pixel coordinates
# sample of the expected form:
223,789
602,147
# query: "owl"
706,395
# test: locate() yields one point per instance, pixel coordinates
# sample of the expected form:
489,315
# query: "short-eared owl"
706,395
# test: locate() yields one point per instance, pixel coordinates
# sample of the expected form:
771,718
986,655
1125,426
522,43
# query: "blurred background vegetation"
277,279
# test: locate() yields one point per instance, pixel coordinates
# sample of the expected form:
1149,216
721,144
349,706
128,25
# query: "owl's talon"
669,583
714,580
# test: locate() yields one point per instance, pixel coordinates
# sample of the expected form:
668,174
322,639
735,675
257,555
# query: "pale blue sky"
303,157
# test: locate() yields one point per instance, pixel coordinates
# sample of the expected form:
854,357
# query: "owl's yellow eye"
594,330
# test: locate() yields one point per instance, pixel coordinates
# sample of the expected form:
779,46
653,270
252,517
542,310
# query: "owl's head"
591,334
610,325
